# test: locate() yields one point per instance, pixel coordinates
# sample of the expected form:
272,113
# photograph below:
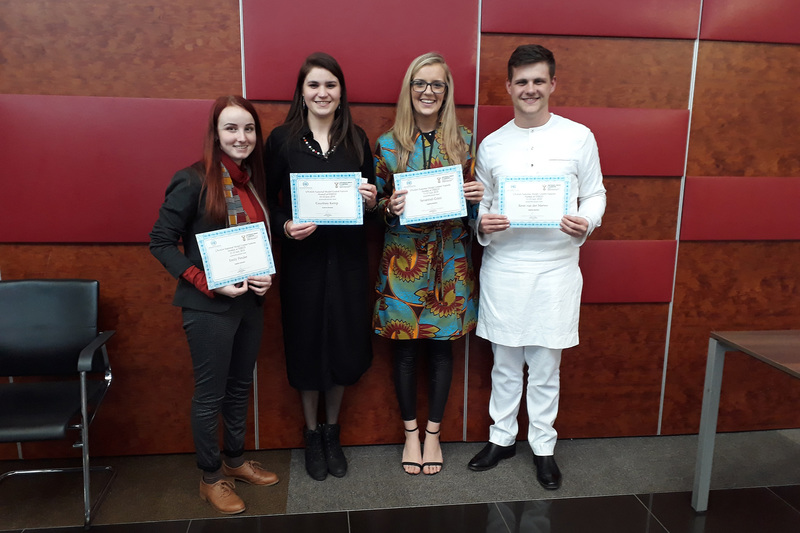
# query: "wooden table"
780,349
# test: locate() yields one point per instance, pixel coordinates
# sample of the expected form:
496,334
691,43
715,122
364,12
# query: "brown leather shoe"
221,496
250,472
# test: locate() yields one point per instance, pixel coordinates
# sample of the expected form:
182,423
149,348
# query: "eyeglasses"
420,86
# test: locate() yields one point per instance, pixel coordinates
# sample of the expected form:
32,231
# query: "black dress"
324,280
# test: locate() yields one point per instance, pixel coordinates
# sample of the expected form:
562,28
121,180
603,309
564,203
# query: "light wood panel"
131,48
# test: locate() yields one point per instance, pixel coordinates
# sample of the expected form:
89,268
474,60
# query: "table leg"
708,425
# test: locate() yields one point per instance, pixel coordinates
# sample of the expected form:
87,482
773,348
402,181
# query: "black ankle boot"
316,466
337,463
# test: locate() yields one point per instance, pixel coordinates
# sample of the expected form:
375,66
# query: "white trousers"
542,396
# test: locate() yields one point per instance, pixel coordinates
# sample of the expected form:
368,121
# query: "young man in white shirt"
530,280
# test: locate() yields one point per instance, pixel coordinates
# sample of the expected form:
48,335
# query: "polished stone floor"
636,485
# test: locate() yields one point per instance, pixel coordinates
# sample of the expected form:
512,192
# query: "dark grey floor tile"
311,523
790,494
729,511
461,518
176,526
610,514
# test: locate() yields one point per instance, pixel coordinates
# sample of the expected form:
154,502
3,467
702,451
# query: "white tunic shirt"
530,280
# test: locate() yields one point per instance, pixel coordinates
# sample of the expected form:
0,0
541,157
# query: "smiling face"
427,104
322,93
530,89
237,133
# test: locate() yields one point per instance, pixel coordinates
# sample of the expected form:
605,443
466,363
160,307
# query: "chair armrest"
87,354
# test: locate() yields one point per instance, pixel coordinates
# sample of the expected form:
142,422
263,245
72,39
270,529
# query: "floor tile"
312,523
729,511
790,494
177,526
461,518
610,514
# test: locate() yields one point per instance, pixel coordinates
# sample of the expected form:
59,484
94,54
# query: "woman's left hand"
259,284
473,191
369,192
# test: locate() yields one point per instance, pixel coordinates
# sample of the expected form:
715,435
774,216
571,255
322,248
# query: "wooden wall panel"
767,21
746,111
631,142
610,383
676,19
597,72
626,271
100,180
735,208
724,287
374,48
640,208
130,48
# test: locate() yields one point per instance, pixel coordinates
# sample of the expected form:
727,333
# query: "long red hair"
216,209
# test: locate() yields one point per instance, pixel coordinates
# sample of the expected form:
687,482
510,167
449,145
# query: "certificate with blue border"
433,194
327,198
234,254
533,201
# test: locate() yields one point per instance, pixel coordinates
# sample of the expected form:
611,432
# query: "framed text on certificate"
234,254
433,194
327,198
533,201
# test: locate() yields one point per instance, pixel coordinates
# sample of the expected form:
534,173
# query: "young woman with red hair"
223,326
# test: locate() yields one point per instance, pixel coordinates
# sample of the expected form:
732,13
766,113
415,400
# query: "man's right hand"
492,223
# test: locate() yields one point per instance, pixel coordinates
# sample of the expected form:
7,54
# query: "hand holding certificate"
434,194
534,201
327,198
234,254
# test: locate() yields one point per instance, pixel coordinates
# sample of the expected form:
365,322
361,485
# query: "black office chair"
48,328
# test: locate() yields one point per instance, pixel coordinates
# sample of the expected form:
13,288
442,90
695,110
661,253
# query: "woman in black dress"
324,276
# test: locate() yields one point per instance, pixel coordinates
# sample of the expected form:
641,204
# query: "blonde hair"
405,128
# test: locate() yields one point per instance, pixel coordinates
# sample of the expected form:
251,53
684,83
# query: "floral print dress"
426,283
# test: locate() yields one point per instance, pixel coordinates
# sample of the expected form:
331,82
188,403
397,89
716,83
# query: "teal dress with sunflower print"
426,283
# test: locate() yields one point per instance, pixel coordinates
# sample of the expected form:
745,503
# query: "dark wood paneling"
184,49
767,21
727,287
597,72
676,19
746,111
374,44
8,451
610,383
640,208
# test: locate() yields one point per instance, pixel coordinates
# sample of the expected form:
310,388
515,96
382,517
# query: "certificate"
234,254
434,194
534,202
330,198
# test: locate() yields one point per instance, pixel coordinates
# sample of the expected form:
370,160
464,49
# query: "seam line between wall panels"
693,79
472,240
255,367
244,88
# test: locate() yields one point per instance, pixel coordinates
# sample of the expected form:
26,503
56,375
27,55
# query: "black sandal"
432,463
410,463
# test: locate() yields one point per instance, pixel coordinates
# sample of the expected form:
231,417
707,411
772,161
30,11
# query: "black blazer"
180,218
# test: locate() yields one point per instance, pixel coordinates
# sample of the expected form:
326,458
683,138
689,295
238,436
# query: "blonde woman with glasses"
426,284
